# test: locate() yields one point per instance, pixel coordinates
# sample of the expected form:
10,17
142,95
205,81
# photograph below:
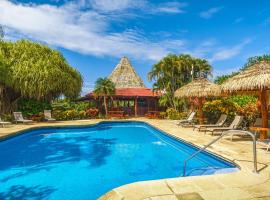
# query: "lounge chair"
19,118
186,121
219,123
4,123
257,123
265,142
48,116
234,125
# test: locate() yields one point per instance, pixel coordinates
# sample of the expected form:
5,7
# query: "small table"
260,129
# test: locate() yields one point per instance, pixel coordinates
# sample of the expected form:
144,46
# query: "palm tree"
104,87
172,72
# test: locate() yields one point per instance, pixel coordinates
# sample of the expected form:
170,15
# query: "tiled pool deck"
238,185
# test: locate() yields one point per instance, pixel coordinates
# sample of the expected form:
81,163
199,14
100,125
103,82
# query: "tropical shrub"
174,114
162,115
34,71
68,110
213,109
7,117
37,117
249,111
32,107
91,112
242,100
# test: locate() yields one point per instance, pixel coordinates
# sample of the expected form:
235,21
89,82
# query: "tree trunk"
8,100
105,106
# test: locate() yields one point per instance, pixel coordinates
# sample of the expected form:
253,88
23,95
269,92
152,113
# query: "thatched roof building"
200,87
254,78
124,75
131,95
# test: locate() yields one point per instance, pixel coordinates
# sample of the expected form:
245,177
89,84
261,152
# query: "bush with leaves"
68,110
242,100
34,71
174,114
32,107
213,109
250,113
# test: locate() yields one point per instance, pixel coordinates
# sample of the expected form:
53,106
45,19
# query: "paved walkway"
238,185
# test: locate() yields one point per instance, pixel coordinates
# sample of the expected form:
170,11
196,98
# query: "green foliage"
2,33
242,100
251,61
35,71
249,111
174,114
221,79
7,117
68,110
104,87
256,59
66,104
213,109
162,115
30,107
241,105
172,72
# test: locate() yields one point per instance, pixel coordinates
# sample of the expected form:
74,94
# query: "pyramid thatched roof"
124,75
255,77
200,87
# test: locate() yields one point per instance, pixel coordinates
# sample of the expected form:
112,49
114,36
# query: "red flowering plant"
249,111
91,112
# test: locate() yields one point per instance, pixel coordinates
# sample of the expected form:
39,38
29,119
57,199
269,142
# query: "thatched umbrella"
255,80
199,88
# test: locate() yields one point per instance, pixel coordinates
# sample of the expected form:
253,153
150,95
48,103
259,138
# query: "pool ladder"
220,137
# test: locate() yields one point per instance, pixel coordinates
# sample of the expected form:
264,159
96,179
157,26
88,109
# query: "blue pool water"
86,162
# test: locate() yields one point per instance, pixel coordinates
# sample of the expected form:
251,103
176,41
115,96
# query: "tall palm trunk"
105,105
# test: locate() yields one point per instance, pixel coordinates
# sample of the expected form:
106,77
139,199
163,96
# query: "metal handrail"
218,138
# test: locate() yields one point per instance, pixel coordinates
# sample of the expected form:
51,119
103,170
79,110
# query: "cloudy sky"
94,34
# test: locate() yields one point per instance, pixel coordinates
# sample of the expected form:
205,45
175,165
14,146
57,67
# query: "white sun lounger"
4,123
234,125
186,121
48,116
265,142
19,118
219,123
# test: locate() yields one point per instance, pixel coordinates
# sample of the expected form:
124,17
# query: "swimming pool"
86,162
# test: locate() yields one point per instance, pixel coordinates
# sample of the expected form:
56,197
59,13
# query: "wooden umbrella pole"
200,110
263,134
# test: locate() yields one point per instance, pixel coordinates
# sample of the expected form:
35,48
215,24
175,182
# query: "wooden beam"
136,106
200,111
263,134
148,102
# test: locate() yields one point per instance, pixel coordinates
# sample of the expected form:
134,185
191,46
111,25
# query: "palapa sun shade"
256,80
199,88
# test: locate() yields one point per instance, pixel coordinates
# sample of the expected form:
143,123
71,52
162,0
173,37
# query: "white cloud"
229,52
116,5
124,6
85,31
210,12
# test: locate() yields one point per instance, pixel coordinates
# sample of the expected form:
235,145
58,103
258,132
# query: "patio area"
243,184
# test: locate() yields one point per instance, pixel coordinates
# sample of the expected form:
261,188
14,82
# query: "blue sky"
94,34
